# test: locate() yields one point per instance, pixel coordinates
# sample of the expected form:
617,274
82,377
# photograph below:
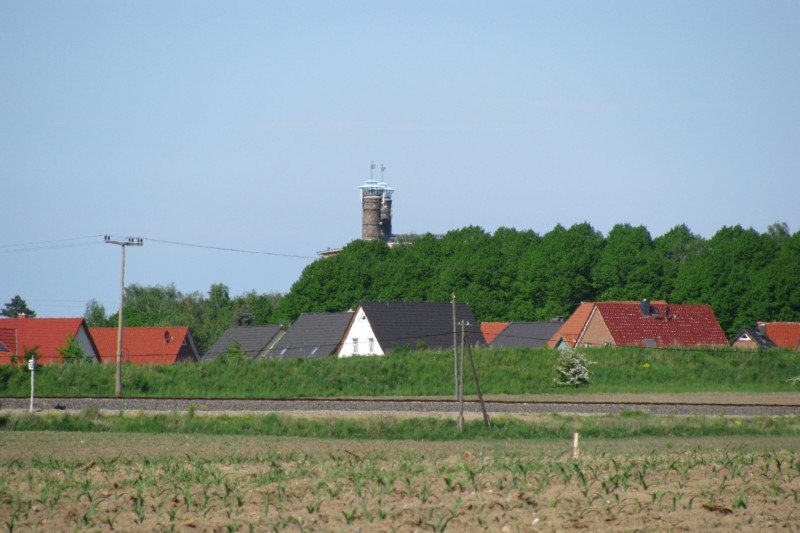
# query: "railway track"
397,406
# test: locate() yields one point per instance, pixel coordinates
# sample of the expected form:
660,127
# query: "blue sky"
249,125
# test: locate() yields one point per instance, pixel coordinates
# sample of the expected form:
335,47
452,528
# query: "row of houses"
376,328
49,337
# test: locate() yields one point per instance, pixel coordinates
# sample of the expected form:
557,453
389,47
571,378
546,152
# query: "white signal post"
32,368
130,241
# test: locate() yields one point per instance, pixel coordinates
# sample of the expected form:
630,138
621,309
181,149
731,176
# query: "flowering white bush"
573,369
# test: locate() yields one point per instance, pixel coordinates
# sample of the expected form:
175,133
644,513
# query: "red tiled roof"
490,330
8,340
784,334
141,345
672,325
573,326
47,334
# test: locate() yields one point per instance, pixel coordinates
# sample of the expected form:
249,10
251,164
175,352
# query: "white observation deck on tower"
376,188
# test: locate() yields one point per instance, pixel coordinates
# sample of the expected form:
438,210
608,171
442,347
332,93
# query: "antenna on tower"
383,168
371,169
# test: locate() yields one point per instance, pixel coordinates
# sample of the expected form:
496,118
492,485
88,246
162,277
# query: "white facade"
359,338
82,338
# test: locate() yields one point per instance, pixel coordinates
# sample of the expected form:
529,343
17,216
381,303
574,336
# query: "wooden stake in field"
575,451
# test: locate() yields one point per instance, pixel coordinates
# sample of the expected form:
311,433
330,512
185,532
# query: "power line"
227,249
50,241
48,247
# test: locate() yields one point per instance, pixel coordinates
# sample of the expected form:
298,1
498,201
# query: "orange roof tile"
573,326
47,335
490,330
784,334
141,345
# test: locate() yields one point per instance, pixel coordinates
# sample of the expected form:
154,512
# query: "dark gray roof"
415,324
252,339
755,334
526,334
312,335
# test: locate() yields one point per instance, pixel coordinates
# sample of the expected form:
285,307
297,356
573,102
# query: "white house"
378,327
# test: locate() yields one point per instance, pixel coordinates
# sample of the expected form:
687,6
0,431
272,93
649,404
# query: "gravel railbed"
387,406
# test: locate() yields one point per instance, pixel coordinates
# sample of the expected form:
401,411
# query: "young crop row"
389,491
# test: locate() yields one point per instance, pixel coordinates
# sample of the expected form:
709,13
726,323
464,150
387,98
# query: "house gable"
419,325
572,328
596,332
47,335
751,339
85,341
360,338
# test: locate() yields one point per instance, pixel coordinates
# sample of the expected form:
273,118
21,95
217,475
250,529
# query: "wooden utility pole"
486,421
131,241
461,383
455,347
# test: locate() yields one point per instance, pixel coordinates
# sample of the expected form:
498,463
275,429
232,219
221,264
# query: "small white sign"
31,364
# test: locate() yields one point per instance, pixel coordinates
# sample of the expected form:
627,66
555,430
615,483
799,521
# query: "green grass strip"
430,373
625,425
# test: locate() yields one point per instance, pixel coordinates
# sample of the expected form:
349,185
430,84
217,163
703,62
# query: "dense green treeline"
511,275
207,316
520,275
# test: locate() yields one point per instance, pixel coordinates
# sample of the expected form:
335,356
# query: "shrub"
72,352
572,369
234,354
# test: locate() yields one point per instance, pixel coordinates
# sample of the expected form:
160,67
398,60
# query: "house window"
372,345
355,345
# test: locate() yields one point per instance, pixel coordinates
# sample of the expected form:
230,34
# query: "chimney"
762,328
644,307
22,315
